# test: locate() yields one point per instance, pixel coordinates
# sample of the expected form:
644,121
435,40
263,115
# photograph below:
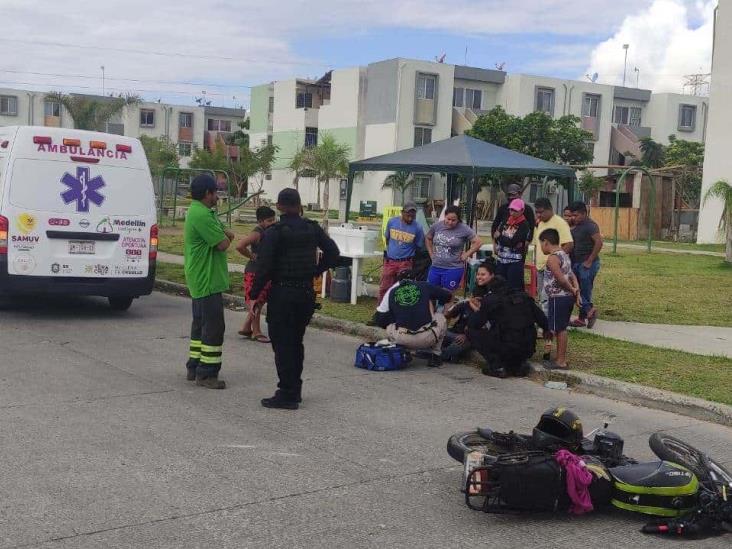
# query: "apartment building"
189,127
401,103
717,162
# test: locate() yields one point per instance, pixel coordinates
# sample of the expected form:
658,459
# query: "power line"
96,77
162,53
76,86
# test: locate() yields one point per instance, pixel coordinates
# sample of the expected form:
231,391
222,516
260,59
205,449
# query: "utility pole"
625,66
103,90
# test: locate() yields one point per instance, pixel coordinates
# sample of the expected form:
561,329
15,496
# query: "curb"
649,397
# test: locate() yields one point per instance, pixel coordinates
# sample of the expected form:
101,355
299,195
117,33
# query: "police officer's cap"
288,197
203,183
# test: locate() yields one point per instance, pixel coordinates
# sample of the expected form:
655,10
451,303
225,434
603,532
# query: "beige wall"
717,160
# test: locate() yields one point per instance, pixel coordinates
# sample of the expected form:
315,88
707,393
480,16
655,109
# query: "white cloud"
237,42
665,45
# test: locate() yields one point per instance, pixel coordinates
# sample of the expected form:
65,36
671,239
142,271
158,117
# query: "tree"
210,159
537,134
688,179
264,158
589,184
329,159
90,113
240,138
652,153
245,167
399,181
160,152
722,190
299,165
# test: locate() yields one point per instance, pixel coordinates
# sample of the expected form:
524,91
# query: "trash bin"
340,285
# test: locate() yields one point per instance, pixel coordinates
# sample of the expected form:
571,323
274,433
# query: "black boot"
434,361
277,401
210,382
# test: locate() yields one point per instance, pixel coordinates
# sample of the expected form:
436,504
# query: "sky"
176,52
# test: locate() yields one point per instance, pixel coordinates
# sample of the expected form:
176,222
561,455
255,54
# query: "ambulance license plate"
82,247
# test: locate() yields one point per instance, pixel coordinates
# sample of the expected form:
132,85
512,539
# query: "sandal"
245,334
260,338
552,365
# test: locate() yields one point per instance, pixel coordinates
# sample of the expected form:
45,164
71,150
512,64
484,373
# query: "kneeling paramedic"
407,313
288,257
511,339
207,276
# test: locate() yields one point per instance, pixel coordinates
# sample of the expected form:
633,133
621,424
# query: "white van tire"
120,303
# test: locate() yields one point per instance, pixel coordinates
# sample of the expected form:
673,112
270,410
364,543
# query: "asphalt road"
104,444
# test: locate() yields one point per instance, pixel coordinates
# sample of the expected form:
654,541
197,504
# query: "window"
590,147
457,97
184,149
185,120
270,107
635,116
426,86
545,100
473,98
687,117
311,138
215,125
421,187
147,118
51,108
591,105
8,105
422,136
304,100
607,199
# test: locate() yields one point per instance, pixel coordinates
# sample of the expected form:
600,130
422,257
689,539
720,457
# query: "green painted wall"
289,142
344,136
258,109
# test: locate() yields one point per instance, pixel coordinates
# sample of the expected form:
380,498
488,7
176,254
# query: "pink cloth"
578,481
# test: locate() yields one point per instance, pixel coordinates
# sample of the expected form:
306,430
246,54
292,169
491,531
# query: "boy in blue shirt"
403,236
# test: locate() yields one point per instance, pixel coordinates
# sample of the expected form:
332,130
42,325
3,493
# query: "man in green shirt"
207,276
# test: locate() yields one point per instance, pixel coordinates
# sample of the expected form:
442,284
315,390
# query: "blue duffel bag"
371,356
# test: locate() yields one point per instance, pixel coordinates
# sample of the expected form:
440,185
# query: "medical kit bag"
372,356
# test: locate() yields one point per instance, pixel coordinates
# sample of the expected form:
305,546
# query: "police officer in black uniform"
288,256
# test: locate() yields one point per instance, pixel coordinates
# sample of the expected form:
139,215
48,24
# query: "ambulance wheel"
120,303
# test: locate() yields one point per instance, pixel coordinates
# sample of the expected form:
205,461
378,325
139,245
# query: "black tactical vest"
296,258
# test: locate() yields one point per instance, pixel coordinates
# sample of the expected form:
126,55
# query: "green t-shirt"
206,270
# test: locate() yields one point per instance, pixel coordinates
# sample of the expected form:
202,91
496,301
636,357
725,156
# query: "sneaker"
591,318
434,361
494,372
279,403
578,323
211,382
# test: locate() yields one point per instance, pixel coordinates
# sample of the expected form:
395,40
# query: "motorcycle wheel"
461,444
677,451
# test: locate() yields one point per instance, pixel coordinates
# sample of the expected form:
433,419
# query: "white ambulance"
77,215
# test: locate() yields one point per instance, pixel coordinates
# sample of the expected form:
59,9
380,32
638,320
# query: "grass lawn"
705,377
671,245
171,240
664,288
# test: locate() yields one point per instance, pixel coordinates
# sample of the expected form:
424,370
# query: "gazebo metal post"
349,194
651,209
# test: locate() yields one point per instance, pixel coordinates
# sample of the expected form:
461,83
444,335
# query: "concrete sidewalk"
700,340
666,250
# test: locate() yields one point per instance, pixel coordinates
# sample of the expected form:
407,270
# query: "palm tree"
722,190
299,164
89,113
399,181
329,159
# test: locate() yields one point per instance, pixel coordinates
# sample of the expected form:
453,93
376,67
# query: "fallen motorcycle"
545,471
